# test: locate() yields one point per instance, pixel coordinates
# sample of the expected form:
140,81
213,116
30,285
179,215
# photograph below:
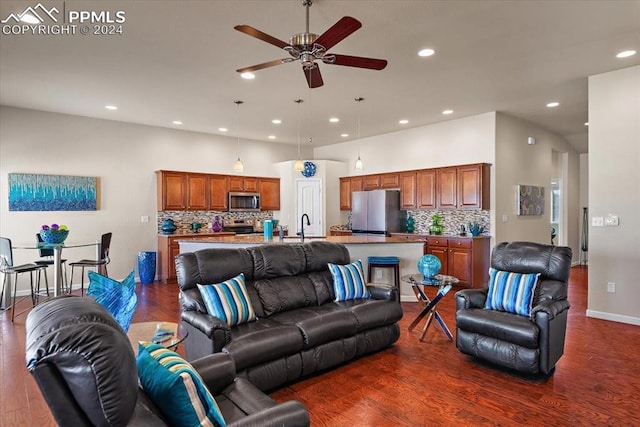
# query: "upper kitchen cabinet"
390,180
270,194
172,190
463,187
347,186
244,183
218,189
407,190
371,182
473,186
179,191
426,189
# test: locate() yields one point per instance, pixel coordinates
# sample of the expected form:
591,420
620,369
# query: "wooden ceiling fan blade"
314,78
358,61
261,66
338,32
248,30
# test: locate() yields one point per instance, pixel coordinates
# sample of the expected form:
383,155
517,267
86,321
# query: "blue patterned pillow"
348,281
176,388
228,301
119,298
511,292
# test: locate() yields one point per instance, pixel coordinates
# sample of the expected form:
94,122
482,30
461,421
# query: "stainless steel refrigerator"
376,212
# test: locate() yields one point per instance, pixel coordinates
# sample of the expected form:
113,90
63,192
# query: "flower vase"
217,224
146,267
411,226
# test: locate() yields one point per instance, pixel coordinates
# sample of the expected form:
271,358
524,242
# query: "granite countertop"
248,239
201,234
425,235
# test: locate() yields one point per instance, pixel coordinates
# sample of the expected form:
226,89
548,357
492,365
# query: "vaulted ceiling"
176,60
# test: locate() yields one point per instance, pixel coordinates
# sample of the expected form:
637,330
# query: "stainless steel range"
238,226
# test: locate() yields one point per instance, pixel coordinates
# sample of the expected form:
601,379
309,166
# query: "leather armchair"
531,345
86,370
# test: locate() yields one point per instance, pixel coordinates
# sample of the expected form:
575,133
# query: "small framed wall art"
530,200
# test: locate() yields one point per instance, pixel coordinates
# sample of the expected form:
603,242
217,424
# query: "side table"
146,331
419,285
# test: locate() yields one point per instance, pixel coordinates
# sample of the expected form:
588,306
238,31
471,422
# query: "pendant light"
359,166
298,166
238,166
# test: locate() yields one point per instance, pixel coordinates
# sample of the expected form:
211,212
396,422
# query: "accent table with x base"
418,282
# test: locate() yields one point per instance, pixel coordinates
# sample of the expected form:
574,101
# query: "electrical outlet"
597,221
378,273
144,218
611,287
505,218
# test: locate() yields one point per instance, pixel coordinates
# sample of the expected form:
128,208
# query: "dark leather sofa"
86,370
300,329
530,345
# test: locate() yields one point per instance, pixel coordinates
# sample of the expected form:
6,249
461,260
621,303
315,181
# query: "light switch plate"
144,218
597,221
611,221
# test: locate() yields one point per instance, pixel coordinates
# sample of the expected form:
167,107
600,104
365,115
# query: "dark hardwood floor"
596,383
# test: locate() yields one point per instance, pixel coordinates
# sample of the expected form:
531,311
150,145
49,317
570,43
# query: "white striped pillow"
228,301
511,292
348,281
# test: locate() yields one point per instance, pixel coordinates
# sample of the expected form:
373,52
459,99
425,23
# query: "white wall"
520,163
614,188
124,157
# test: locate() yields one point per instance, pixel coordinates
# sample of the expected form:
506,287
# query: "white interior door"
309,201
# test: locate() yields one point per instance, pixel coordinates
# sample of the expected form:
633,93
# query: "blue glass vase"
429,266
146,267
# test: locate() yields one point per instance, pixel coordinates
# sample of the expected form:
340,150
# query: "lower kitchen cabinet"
466,258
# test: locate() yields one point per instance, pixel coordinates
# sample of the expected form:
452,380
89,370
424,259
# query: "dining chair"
99,264
47,260
7,268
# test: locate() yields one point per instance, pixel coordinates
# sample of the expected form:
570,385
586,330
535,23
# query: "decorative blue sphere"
429,266
309,169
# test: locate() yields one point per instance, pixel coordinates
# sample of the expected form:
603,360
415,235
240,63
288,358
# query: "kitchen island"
360,247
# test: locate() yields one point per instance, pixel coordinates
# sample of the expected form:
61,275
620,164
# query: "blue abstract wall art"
35,192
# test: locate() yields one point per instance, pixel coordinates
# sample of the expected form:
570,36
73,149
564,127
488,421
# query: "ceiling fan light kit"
309,47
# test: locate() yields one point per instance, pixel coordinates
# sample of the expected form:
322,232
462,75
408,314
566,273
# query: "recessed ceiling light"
271,137
248,76
586,123
276,121
223,129
426,52
403,121
553,104
111,107
626,54
447,112
334,120
177,122
29,19
344,135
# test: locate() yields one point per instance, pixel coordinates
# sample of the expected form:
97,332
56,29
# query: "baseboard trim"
613,317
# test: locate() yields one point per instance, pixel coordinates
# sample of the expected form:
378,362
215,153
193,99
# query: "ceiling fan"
308,48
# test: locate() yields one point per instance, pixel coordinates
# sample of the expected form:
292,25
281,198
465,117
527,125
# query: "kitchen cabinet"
244,183
270,194
466,258
446,188
340,233
218,189
473,186
407,190
426,189
371,182
168,250
390,180
347,186
178,191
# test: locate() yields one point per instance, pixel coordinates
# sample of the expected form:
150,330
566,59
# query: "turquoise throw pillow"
119,298
511,292
348,281
228,301
176,388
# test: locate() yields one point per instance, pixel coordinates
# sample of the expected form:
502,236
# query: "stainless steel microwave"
244,202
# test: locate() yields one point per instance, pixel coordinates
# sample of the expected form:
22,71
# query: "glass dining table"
57,257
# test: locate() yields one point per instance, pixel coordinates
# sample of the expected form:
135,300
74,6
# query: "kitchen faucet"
302,225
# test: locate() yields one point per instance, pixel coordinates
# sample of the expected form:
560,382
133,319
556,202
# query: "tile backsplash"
183,219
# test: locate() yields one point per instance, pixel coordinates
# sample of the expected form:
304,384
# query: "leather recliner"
86,370
530,345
